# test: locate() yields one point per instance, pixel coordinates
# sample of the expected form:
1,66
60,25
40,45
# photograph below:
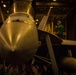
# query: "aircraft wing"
69,42
56,40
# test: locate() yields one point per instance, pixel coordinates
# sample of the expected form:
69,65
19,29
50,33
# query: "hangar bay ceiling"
60,8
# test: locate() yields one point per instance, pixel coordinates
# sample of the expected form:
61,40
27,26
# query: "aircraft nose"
19,38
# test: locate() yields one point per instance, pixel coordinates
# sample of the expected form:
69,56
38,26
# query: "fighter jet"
18,34
19,39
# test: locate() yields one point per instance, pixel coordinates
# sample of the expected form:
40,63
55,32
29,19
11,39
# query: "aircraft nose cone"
19,41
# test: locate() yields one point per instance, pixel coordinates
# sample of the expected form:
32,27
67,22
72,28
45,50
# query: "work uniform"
60,31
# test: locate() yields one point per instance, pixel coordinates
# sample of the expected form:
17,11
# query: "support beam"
51,53
56,4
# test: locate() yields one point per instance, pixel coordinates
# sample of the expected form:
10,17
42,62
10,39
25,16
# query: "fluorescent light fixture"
7,11
37,20
4,5
54,0
51,7
2,1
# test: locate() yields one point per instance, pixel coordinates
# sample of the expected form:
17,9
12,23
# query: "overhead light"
4,5
37,20
2,1
7,11
54,0
51,7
